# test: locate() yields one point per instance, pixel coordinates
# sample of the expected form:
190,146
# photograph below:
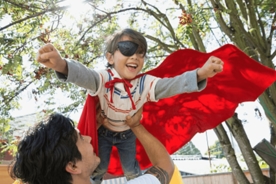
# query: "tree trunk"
229,153
272,173
267,102
239,133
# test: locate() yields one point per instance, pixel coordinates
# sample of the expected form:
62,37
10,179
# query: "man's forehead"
77,130
78,133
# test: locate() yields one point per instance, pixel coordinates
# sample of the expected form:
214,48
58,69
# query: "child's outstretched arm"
190,81
49,56
210,68
69,70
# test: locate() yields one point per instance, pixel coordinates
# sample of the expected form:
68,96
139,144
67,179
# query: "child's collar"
115,74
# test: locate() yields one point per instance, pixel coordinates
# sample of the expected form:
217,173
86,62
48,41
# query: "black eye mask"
127,48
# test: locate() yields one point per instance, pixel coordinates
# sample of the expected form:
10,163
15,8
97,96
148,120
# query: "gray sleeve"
184,83
80,75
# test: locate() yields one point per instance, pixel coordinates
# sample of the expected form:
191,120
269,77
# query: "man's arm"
163,165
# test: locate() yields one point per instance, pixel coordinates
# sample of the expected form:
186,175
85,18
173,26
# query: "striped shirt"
142,91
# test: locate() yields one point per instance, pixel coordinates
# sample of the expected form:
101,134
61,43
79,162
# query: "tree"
248,24
216,150
188,149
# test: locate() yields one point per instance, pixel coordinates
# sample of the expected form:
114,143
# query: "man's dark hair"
45,150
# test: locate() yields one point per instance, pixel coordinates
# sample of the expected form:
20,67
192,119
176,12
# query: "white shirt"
144,179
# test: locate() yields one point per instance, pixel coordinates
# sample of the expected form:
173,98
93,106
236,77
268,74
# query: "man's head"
125,52
54,152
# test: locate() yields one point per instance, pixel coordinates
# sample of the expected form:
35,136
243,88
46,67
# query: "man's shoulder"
145,179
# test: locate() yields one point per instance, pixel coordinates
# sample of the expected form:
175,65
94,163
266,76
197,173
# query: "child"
122,91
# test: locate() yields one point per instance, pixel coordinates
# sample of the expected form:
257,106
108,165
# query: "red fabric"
110,84
174,121
87,124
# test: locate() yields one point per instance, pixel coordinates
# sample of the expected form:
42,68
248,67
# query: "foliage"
28,25
167,25
216,150
220,168
217,168
188,149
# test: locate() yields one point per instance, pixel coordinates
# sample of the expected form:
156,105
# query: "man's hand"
99,118
212,66
163,165
49,56
134,121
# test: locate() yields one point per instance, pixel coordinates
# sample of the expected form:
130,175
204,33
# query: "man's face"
89,160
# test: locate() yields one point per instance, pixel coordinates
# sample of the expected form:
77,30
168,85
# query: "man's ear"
109,58
72,168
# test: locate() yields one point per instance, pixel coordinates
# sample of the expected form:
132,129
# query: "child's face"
127,67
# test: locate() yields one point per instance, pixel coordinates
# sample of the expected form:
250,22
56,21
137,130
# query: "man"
55,152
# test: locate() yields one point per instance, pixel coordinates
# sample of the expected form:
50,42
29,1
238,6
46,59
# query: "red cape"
174,121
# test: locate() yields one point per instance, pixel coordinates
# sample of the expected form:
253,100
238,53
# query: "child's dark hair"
135,36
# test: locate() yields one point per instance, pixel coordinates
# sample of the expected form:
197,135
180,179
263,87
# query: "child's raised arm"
69,70
49,56
210,68
189,81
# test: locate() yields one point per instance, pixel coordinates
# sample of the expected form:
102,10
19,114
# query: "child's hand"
212,66
50,57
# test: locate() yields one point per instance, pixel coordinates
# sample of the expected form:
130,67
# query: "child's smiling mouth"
132,65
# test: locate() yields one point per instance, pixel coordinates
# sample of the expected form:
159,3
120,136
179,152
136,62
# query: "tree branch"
8,100
32,16
150,12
